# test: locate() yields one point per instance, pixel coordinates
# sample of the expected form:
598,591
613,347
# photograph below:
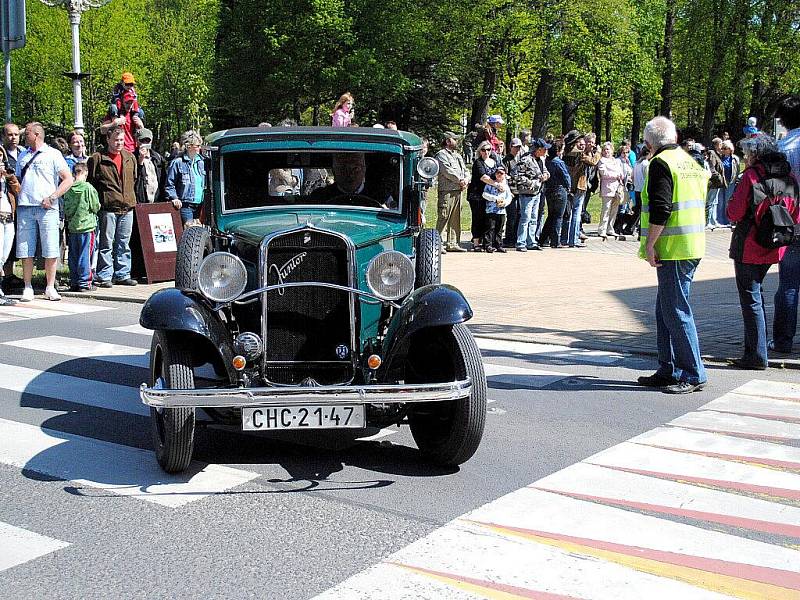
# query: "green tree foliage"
167,44
550,65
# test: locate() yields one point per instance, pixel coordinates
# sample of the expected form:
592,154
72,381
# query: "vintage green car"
314,292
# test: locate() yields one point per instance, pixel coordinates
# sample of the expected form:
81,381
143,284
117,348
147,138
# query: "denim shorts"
33,219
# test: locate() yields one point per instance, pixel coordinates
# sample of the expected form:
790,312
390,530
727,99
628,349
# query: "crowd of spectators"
58,196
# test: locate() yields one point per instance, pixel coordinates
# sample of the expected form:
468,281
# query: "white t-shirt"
639,174
41,178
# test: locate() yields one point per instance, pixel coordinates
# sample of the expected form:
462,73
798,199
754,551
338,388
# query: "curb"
775,363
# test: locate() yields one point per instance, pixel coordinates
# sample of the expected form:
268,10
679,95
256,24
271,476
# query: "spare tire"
429,258
194,246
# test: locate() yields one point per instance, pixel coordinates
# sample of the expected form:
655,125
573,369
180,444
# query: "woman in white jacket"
612,188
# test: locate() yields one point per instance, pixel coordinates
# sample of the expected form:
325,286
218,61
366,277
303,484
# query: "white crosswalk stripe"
119,469
598,357
18,546
81,348
88,392
135,328
673,513
42,309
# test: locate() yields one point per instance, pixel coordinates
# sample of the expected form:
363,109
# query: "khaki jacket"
452,170
117,194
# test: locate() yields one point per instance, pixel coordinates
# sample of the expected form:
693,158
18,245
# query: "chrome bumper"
294,396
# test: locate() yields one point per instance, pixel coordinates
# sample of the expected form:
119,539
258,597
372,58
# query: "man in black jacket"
149,185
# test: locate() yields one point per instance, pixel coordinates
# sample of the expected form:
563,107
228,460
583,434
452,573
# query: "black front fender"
174,311
437,305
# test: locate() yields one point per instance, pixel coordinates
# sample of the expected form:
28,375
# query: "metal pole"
75,21
7,56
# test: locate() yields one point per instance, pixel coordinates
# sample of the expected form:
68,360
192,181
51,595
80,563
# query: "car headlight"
222,277
390,275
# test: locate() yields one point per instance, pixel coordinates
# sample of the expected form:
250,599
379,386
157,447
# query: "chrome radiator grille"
308,331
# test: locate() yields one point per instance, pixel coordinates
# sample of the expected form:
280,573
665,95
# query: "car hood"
362,228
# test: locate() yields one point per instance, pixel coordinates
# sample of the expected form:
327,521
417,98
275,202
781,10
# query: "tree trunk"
666,85
598,119
636,114
568,110
608,120
480,105
315,115
542,104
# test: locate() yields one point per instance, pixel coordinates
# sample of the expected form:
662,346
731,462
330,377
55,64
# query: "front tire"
172,428
449,433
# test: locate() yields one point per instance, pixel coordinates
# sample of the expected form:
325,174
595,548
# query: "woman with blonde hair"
342,115
612,188
730,171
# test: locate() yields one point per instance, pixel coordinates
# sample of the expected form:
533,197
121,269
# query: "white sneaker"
51,294
27,294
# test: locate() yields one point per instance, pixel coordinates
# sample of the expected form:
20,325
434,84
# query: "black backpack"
775,226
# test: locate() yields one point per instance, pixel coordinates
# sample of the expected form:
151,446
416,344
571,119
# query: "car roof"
409,140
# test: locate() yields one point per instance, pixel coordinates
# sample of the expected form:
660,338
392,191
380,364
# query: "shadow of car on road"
100,438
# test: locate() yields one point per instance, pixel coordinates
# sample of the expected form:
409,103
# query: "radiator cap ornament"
342,351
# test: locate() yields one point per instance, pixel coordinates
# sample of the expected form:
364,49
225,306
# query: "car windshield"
262,179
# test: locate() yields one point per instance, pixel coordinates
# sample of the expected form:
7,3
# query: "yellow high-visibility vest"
684,234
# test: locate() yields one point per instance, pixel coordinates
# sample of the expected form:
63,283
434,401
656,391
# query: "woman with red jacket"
767,175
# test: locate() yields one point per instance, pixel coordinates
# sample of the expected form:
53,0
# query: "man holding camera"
152,174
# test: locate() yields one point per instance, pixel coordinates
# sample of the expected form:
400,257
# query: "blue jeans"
751,298
676,334
189,211
575,218
528,216
114,257
784,325
722,206
81,246
712,200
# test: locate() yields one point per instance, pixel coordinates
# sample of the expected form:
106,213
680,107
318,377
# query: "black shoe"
490,250
741,363
131,282
521,249
501,250
771,346
539,248
104,284
655,381
683,387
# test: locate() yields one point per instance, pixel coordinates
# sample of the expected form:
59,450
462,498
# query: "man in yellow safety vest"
673,241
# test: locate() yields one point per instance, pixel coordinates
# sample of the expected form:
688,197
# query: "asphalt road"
85,511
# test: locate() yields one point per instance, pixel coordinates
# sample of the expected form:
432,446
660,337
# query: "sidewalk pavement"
600,297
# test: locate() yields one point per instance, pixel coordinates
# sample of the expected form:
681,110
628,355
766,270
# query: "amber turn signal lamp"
374,361
239,362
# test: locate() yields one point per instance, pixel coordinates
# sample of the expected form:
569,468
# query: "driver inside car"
349,175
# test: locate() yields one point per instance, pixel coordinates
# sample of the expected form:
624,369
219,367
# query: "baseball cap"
516,142
450,135
127,77
539,143
500,168
144,134
495,119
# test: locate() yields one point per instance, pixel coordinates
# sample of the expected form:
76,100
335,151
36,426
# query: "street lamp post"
75,8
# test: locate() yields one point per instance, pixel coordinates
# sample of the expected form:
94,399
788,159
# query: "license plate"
303,417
